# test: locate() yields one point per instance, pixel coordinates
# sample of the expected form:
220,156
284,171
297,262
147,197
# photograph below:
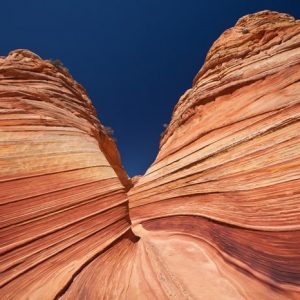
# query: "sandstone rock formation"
62,203
227,176
217,213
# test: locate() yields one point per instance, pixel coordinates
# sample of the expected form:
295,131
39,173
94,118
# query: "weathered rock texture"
218,212
227,176
61,201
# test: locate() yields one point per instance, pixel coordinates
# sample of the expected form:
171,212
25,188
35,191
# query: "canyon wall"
227,175
216,216
62,202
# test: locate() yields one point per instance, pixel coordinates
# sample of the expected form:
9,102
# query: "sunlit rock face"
223,192
216,216
62,203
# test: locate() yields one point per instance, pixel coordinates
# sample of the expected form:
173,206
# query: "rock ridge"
217,214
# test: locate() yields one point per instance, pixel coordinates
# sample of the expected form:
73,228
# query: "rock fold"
217,214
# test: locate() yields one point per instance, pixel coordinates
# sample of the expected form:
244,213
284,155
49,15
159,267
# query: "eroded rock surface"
216,216
62,203
227,176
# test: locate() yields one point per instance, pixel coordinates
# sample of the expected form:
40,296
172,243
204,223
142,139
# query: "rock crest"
216,215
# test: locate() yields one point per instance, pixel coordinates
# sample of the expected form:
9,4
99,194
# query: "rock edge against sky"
216,215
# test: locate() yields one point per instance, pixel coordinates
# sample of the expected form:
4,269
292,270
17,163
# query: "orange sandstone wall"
61,201
217,213
227,174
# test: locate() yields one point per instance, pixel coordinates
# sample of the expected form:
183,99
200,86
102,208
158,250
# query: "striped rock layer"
61,201
216,216
224,190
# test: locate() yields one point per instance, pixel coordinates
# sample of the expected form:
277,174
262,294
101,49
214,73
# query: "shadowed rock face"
217,213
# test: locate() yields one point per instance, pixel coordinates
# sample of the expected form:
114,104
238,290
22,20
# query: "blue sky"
134,58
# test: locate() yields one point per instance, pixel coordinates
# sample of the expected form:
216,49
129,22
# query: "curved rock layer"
217,213
227,176
61,201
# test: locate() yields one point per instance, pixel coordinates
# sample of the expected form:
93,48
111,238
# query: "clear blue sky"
135,57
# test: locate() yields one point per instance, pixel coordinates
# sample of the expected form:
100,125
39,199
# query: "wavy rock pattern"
61,201
217,213
227,174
